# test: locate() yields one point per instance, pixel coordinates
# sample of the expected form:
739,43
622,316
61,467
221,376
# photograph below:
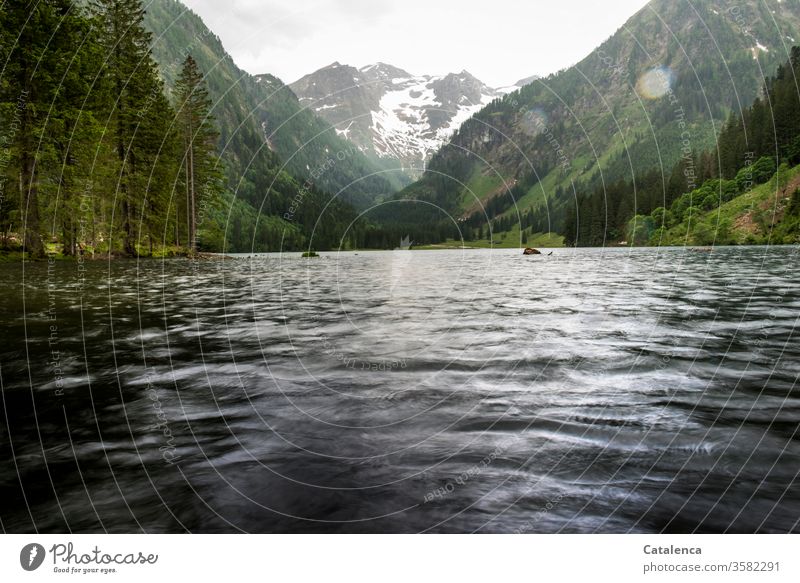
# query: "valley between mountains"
639,143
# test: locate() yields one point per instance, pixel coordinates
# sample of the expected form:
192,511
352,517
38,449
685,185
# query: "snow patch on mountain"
391,113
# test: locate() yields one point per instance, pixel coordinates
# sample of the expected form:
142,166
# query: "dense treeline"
769,127
96,157
99,156
751,146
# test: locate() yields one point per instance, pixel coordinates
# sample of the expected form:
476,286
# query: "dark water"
588,391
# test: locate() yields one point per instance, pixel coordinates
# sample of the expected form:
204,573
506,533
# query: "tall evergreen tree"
201,172
75,136
140,119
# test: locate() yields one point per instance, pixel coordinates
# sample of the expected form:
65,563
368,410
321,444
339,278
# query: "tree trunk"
188,203
193,239
30,224
128,244
189,157
65,246
68,238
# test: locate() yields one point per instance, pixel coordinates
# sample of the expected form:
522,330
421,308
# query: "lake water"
593,390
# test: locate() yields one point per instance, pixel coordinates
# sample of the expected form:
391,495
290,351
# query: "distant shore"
19,257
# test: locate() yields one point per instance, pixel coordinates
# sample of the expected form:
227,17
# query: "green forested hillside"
757,146
655,93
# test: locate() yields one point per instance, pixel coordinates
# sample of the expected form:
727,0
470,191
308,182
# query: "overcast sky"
498,41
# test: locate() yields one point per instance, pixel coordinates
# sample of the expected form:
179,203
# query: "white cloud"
499,41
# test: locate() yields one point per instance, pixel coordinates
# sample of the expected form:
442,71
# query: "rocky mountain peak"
390,113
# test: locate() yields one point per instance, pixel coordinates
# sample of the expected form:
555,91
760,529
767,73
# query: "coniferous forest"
101,157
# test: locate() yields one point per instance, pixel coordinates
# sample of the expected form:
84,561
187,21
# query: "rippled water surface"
443,391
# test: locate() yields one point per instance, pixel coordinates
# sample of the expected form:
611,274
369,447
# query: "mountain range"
260,119
654,93
390,113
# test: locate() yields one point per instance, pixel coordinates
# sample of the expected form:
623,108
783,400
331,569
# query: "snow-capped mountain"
389,112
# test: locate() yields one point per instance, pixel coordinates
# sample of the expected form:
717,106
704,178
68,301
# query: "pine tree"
37,38
201,170
140,120
76,134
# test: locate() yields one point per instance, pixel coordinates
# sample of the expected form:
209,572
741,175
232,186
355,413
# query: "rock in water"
531,251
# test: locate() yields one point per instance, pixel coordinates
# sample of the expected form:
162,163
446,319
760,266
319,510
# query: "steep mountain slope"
732,205
392,114
652,94
261,117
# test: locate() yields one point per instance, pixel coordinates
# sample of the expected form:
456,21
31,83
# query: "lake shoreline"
18,256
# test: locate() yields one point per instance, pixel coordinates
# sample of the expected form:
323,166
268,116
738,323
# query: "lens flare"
534,121
655,82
